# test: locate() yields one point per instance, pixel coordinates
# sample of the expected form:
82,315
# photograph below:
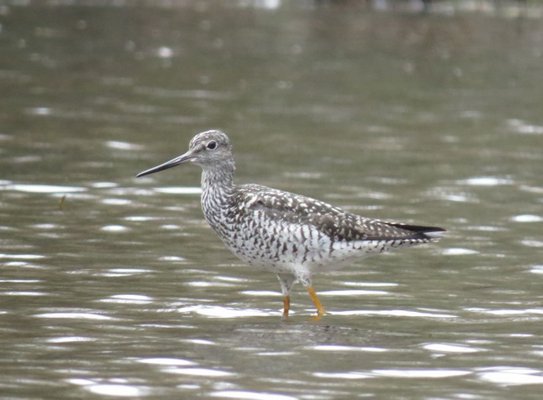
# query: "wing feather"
337,224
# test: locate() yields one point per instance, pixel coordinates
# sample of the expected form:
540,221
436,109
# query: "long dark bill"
183,158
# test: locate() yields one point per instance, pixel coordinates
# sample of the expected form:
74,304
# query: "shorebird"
291,235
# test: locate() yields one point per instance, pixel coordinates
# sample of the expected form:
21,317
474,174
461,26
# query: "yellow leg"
286,306
316,301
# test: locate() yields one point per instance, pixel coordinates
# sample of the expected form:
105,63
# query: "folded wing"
332,221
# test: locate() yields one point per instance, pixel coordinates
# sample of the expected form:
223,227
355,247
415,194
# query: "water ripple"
343,375
165,361
451,348
213,373
246,395
22,256
118,145
115,272
507,311
179,190
35,188
338,348
75,315
353,293
23,293
70,339
183,94
395,313
537,269
109,389
114,228
509,376
128,299
527,218
458,251
525,128
420,373
487,181
223,312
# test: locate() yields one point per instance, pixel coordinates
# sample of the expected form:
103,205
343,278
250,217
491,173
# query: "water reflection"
249,395
507,376
118,387
38,188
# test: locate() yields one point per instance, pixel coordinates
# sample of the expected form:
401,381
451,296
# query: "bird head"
207,149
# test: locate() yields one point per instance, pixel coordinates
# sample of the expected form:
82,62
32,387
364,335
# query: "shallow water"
112,286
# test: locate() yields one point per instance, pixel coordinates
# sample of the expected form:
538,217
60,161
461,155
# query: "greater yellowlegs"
288,234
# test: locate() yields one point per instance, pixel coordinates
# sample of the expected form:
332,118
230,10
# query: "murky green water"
112,286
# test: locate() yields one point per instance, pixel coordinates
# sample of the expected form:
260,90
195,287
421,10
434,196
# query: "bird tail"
424,232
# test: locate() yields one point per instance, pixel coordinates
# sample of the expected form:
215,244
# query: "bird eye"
212,145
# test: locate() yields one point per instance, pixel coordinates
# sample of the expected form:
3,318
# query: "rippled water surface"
112,286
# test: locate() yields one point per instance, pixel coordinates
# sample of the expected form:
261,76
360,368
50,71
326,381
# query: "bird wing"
332,221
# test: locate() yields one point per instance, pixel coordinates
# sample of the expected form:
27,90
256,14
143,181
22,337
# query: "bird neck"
218,192
219,178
